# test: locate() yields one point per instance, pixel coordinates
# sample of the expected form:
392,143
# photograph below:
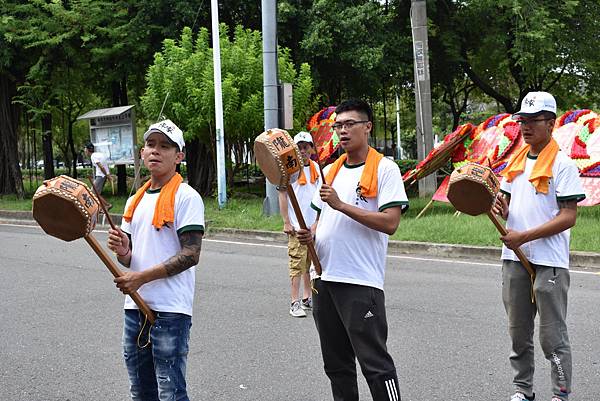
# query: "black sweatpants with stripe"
352,325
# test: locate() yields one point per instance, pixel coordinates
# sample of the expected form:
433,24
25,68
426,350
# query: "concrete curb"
582,260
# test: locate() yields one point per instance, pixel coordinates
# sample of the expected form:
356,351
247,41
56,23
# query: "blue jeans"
157,371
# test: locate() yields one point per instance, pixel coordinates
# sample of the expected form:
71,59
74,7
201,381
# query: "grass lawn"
438,224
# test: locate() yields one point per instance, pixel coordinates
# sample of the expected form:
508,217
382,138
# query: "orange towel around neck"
542,170
368,179
164,212
313,174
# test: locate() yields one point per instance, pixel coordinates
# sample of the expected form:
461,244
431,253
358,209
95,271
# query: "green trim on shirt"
153,191
532,157
393,204
354,165
578,197
312,205
191,227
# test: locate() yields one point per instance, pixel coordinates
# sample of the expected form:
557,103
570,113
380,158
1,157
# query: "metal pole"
398,138
418,18
221,173
271,104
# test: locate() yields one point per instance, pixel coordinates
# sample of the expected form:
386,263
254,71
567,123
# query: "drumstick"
311,248
518,252
321,170
101,201
118,273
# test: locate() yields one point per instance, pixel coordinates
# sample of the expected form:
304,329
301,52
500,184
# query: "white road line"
462,262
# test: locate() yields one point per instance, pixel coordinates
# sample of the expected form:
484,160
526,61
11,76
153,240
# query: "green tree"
53,36
184,71
12,71
123,43
353,46
508,48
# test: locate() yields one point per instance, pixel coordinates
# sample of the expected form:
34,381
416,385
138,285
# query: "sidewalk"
589,261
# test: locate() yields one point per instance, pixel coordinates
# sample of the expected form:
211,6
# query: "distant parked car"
40,164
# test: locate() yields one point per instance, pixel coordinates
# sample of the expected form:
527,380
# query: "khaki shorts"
299,261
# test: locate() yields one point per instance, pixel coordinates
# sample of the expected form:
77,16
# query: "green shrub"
406,165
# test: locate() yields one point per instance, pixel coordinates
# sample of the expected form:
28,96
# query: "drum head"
268,164
470,197
59,217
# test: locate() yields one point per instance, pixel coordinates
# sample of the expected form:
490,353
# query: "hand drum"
277,156
65,208
279,159
473,189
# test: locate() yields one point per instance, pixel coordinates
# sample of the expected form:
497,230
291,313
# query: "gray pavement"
61,321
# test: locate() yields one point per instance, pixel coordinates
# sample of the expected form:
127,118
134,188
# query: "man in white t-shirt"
359,206
159,241
101,170
541,189
304,188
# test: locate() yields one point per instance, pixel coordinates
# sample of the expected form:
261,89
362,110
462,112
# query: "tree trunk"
487,89
47,146
200,167
229,166
119,92
11,180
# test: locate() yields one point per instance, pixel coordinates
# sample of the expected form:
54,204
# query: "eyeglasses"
529,122
347,124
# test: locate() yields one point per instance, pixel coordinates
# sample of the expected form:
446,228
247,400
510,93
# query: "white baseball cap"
535,103
303,136
171,131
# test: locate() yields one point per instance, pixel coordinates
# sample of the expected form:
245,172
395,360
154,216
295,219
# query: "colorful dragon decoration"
495,140
324,136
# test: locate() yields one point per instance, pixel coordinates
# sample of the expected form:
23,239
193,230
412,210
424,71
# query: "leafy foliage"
184,71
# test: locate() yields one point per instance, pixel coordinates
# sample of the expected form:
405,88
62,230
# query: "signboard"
112,133
420,61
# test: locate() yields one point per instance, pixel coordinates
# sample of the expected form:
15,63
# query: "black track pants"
351,323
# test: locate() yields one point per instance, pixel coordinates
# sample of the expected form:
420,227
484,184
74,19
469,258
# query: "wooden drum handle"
311,248
101,201
118,273
517,251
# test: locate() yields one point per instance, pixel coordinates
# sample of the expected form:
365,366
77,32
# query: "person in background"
304,188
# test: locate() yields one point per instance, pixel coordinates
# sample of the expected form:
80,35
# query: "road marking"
285,247
462,262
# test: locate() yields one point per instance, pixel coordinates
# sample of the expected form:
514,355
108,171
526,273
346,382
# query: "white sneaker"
296,310
518,396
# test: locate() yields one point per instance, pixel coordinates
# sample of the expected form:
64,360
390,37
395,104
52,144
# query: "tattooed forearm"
191,243
569,204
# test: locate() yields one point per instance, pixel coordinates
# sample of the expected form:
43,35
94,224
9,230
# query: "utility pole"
398,154
270,80
424,134
221,172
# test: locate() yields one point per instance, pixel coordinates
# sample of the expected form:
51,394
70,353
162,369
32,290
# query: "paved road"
60,325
